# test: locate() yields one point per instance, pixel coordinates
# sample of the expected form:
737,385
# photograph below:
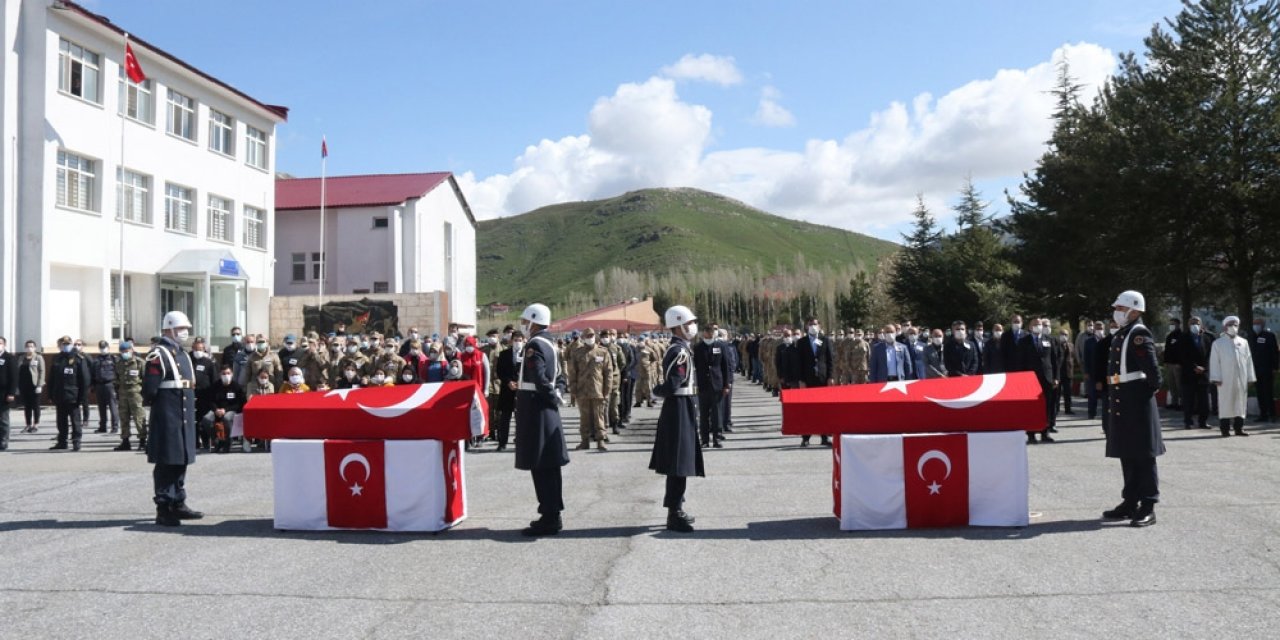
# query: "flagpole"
324,160
120,196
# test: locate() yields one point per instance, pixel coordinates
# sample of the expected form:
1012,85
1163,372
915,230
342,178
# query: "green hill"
546,253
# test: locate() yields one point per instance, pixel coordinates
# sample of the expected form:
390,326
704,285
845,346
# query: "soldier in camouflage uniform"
129,395
610,341
591,379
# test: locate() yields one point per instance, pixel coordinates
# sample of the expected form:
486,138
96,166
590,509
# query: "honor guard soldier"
129,390
1133,432
540,447
168,386
676,451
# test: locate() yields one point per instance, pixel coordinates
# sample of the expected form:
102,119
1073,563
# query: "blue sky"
833,112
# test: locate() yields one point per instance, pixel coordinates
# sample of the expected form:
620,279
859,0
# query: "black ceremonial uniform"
168,386
676,452
714,375
8,387
540,446
1133,433
960,358
507,371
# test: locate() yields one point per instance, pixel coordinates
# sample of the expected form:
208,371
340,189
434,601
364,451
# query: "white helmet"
537,314
1132,300
679,315
175,320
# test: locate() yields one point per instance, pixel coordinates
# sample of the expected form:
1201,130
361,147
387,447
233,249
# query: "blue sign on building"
228,267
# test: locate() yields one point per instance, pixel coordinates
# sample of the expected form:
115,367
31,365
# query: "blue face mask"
66,348
125,355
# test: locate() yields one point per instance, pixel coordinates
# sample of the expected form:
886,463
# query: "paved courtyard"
80,557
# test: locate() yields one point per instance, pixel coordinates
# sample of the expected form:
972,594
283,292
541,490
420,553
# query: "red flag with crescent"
436,411
995,402
355,480
935,480
131,66
453,494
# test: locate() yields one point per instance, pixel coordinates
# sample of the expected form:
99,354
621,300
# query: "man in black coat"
627,393
69,380
1171,360
225,399
979,341
814,363
1194,362
1100,385
507,370
230,351
8,389
540,447
959,355
168,385
735,364
205,371
715,378
786,364
104,387
993,351
676,453
1036,354
1089,355
1266,361
1134,435
1009,344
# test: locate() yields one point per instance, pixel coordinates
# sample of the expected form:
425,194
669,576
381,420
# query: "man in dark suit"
1036,353
814,359
979,341
1266,361
1170,359
1099,369
1009,343
959,356
993,351
1194,363
890,361
714,373
8,389
1088,353
508,372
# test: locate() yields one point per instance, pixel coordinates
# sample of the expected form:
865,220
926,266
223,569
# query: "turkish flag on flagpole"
931,480
324,148
131,66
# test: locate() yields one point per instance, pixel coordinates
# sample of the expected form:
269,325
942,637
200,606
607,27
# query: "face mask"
198,353
352,349
262,346
31,349
262,382
1172,328
66,348
349,374
379,379
334,348
590,342
125,355
997,334
960,334
1063,336
690,331
606,341
471,349
413,335
435,355
1233,330
1257,328
1017,326
236,338
182,334
518,345
226,379
408,377
1035,329
911,337
364,345
1112,330
937,341
708,341
290,345
814,329
295,380
524,328
787,340
79,348
1121,317
1195,329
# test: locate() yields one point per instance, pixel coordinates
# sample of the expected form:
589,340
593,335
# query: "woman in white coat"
1231,369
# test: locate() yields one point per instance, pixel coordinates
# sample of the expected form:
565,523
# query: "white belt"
527,386
175,384
684,391
1126,377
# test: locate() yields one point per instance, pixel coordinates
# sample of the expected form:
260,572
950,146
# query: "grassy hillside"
546,253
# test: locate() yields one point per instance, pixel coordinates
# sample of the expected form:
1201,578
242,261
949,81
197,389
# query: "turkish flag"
355,480
936,480
996,402
438,411
931,480
410,485
324,149
131,66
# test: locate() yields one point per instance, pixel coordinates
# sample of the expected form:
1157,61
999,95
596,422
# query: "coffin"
448,411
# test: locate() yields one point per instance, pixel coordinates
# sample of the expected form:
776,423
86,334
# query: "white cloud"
646,136
771,114
721,70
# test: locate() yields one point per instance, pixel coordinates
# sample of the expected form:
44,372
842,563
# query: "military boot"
678,520
183,512
124,446
1123,511
165,516
1145,515
547,525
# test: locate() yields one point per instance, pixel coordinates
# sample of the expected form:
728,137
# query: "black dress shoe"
679,521
1031,438
1123,511
165,516
545,526
717,445
1044,437
183,512
1145,516
728,429
58,446
75,446
1240,432
1051,430
100,430
826,442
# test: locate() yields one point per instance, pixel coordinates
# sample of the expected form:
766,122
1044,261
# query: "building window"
182,115
299,267
380,223
78,72
380,287
222,133
77,181
359,291
220,219
317,264
255,147
133,202
179,212
255,228
137,100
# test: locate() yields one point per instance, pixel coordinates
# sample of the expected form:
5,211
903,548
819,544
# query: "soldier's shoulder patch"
1138,341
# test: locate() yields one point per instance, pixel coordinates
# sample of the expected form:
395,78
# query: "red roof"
356,191
275,110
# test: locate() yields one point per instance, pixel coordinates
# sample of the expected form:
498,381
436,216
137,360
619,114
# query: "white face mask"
524,328
708,340
606,341
352,349
787,340
471,349
1017,326
1172,328
181,335
350,375
198,353
1195,329
590,342
690,330
937,341
997,334
379,379
295,380
408,377
960,334
226,379
1035,329
1112,330
1232,330
1121,317
814,330
264,381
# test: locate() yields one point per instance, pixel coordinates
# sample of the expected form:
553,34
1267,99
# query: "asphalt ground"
80,557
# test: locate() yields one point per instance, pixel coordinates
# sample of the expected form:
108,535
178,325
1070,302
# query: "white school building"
181,167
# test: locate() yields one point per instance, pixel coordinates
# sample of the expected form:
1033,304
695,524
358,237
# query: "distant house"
391,233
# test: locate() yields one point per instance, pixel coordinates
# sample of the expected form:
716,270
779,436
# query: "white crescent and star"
933,454
358,459
991,386
897,385
420,396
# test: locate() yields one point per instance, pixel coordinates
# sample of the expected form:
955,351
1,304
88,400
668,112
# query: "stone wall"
428,311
